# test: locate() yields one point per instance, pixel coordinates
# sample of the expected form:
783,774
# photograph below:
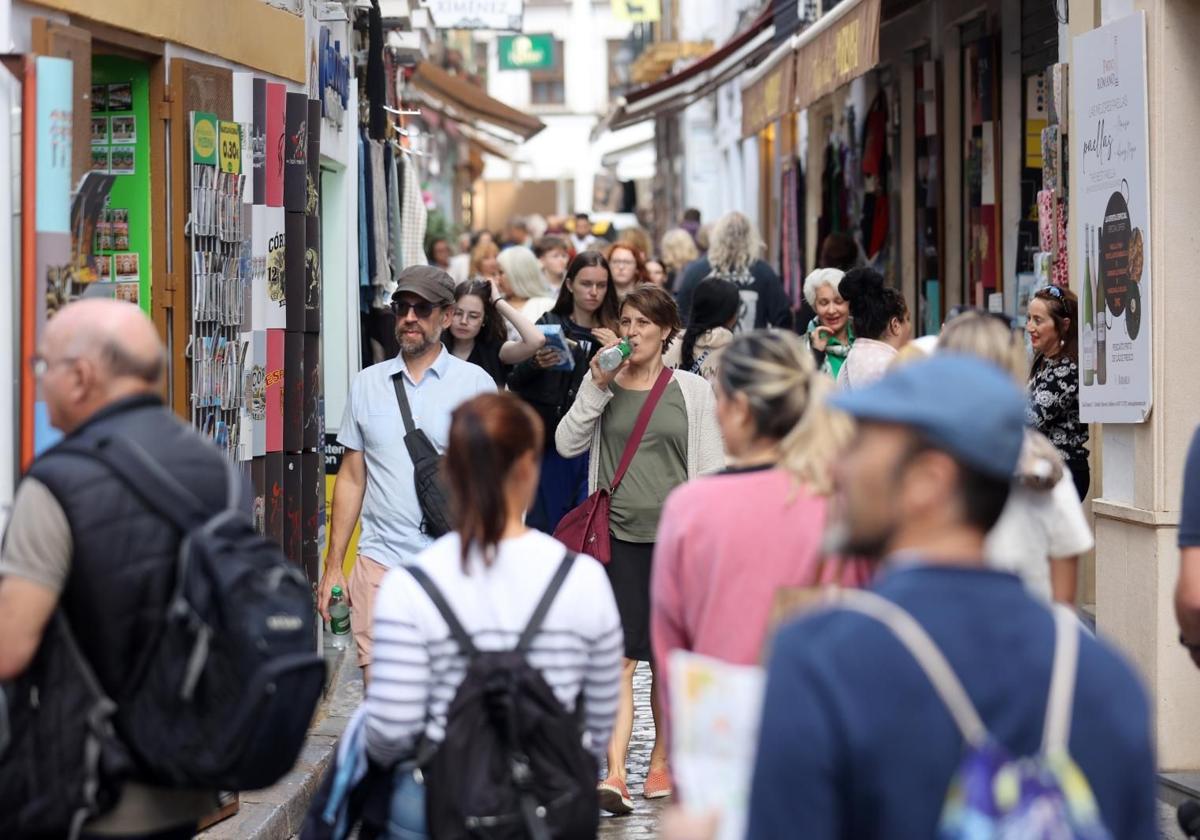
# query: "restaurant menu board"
1110,152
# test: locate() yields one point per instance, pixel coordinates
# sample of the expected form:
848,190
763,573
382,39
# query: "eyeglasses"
470,317
623,263
424,309
40,365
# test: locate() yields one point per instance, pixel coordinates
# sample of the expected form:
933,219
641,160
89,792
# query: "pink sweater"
726,544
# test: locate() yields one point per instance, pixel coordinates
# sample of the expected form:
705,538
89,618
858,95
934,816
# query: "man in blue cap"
856,742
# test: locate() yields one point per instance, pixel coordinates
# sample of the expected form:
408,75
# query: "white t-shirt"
417,667
1035,526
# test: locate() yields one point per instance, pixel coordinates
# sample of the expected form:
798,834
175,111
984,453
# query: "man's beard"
840,540
412,346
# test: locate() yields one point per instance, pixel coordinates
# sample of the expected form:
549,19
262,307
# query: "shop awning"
767,92
677,91
841,46
459,99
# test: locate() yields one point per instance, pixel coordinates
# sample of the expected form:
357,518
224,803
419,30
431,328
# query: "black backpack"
432,495
223,696
513,764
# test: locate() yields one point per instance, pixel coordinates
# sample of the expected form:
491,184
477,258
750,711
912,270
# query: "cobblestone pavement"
643,822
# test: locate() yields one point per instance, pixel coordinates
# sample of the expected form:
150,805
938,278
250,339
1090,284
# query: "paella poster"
1110,152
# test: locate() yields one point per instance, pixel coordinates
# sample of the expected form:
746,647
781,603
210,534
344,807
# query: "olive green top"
659,466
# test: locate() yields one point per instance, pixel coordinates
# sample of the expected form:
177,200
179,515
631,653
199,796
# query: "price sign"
230,147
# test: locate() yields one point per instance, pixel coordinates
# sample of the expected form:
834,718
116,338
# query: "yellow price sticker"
230,147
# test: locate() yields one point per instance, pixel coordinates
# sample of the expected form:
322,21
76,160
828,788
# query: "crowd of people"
641,453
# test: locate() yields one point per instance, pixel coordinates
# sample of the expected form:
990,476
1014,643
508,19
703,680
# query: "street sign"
526,52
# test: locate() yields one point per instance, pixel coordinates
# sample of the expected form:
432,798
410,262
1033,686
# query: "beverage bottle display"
611,358
339,618
1101,337
1087,335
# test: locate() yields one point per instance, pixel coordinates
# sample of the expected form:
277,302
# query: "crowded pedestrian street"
620,419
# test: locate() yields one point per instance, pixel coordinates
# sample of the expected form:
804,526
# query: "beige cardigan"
579,430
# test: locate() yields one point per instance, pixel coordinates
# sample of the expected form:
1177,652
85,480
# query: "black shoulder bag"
432,495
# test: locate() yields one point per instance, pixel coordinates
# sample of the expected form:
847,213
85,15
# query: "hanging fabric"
875,170
395,255
414,218
376,75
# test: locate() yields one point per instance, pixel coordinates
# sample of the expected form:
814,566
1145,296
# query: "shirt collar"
438,368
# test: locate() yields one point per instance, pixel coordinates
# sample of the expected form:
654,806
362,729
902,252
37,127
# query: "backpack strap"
909,632
1057,728
402,401
639,428
142,474
457,631
543,607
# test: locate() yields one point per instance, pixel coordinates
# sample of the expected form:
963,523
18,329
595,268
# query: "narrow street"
643,822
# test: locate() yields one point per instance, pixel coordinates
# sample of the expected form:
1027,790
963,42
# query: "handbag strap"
639,428
402,401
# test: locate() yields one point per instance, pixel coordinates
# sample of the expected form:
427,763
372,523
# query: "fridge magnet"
121,160
104,236
124,129
127,265
99,131
100,160
120,97
127,290
102,267
99,98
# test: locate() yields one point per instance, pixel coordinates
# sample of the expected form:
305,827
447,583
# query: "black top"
486,354
551,392
1054,406
764,303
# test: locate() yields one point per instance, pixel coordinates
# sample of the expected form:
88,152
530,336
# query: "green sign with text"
526,52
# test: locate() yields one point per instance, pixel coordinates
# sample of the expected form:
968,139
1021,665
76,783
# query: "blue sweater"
855,743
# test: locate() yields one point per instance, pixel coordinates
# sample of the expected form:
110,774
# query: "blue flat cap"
964,406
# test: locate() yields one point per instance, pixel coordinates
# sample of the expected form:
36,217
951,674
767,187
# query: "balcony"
658,58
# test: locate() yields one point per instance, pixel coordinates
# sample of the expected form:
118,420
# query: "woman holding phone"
830,335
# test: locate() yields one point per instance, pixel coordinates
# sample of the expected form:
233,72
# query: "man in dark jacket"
734,256
80,541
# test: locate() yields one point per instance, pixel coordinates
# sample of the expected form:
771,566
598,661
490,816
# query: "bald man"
79,540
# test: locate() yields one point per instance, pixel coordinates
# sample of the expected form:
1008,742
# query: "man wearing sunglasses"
375,479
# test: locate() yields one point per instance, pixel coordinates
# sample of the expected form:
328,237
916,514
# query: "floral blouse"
1053,407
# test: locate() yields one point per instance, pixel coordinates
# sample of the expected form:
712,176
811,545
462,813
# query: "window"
479,55
620,62
546,87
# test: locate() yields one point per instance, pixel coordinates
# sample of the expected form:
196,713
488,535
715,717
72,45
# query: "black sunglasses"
423,309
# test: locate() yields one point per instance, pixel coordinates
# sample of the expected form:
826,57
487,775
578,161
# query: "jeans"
406,816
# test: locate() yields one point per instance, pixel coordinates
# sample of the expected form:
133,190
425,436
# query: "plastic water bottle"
611,358
339,618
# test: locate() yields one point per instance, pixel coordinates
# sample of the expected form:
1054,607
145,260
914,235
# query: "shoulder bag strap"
924,650
439,601
639,428
543,607
402,401
1057,730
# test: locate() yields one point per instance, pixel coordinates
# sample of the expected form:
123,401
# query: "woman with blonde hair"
729,543
522,285
735,256
678,252
484,264
1042,531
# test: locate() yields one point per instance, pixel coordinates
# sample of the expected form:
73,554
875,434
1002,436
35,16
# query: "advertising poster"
1110,152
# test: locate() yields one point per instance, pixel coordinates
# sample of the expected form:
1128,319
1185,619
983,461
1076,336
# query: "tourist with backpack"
497,655
648,429
946,701
735,255
155,648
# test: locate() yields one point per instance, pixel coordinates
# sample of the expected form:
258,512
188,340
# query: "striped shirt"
417,667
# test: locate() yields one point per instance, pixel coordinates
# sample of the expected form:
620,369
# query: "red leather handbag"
585,528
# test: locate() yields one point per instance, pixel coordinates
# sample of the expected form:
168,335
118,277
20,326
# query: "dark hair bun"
859,283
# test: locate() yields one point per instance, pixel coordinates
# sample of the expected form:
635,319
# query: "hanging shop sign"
840,47
770,97
334,71
637,11
526,52
1110,151
502,15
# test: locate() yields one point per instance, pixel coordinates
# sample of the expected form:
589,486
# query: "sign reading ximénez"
526,52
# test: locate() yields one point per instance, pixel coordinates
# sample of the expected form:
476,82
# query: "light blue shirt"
391,517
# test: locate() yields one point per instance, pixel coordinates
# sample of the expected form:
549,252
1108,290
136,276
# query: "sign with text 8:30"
526,52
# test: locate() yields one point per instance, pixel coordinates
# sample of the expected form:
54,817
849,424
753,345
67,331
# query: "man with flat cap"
375,479
898,712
